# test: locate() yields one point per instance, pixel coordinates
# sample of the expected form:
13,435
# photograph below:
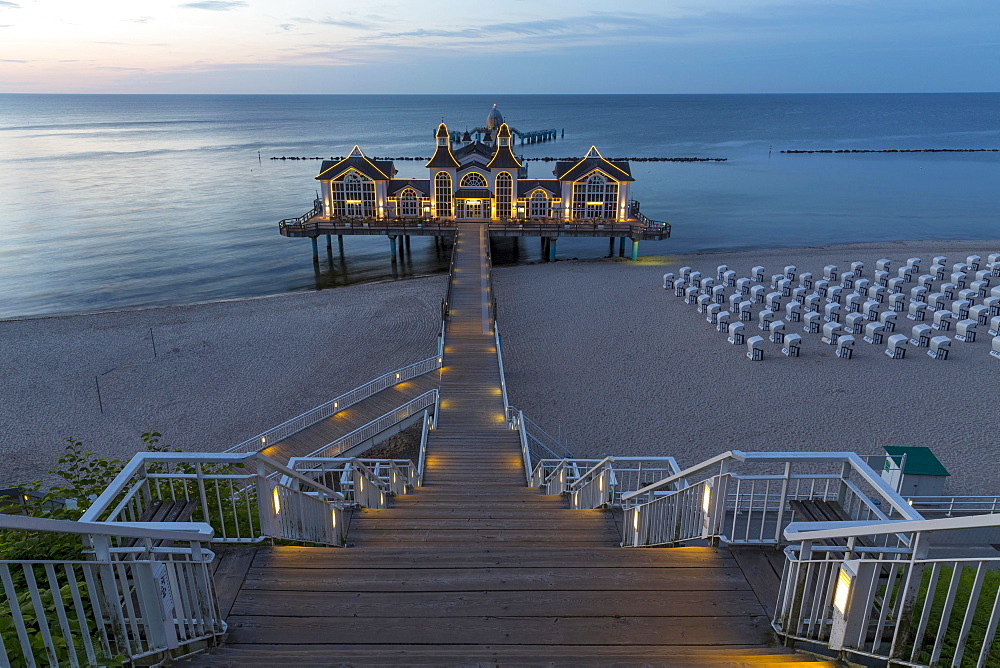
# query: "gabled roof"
442,158
504,158
422,186
526,186
377,170
475,147
573,171
442,131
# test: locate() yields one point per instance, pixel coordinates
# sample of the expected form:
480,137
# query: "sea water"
111,201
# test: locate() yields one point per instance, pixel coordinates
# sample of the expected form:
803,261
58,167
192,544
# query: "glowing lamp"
635,519
600,482
397,376
595,203
333,518
706,499
361,484
842,594
473,202
352,201
263,439
275,501
335,404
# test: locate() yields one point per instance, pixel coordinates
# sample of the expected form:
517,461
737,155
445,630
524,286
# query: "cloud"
286,26
9,5
11,60
141,19
215,5
354,24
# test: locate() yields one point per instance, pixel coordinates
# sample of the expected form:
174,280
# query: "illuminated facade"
476,179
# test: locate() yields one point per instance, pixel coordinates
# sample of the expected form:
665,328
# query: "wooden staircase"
475,568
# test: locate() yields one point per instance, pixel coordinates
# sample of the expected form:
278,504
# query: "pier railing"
364,482
710,501
871,591
244,497
147,598
334,406
596,483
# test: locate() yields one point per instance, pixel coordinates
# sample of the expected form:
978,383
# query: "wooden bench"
163,511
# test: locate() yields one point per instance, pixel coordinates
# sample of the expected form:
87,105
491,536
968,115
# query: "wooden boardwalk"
475,568
344,422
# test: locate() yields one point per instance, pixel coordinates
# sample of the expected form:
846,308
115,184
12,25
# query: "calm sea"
121,201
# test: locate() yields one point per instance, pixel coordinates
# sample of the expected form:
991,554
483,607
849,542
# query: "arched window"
538,204
442,195
595,197
505,194
409,206
354,196
473,180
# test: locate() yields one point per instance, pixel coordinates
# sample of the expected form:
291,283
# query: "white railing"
245,498
592,483
537,444
503,380
139,603
754,508
872,591
429,423
334,406
955,506
365,483
377,426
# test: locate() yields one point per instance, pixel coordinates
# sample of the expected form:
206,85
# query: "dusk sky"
516,46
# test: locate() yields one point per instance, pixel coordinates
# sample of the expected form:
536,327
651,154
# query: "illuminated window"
597,197
505,194
538,205
354,196
442,192
409,206
473,180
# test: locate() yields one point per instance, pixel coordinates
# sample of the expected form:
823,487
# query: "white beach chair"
755,348
722,321
959,278
719,294
668,281
981,288
996,348
936,300
694,278
746,311
737,333
831,313
734,302
774,280
917,311
793,311
793,343
785,286
994,329
703,302
926,281
847,280
888,318
707,284
831,332
853,302
845,347
812,302
918,294
896,346
830,272
685,273
773,301
777,329
883,265
969,295
939,347
757,293
712,312
938,270
855,323
961,308
882,278
993,304
973,262
993,264
965,331
690,294
811,322
834,294
874,333
870,309
894,285
943,320
757,274
858,268
940,259
995,291
743,284
960,267
914,264
764,319
790,272
979,313
861,286
679,287
799,295
806,280
720,270
921,336
729,278
897,301
877,292
905,274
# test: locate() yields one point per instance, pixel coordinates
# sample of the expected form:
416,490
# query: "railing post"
265,503
153,591
903,637
783,502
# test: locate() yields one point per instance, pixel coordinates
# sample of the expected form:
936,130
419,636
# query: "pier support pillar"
635,249
340,243
552,250
611,246
315,242
329,244
392,248
400,238
621,246
407,237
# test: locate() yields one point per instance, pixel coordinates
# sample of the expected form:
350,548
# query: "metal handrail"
301,220
334,406
808,531
166,531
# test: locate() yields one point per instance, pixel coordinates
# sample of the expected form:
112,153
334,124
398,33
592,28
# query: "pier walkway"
476,568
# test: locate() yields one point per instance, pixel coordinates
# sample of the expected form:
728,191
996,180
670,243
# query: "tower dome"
494,119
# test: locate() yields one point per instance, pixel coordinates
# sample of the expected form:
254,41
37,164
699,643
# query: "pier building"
477,178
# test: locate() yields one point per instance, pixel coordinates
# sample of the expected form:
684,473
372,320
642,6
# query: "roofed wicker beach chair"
806,280
921,336
917,311
737,333
939,347
811,320
888,318
965,331
757,274
854,323
790,272
793,311
858,268
874,333
668,281
755,348
896,346
831,332
777,329
943,320
722,321
793,344
883,265
830,272
996,347
764,319
845,347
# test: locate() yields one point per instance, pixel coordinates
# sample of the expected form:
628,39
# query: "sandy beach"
594,349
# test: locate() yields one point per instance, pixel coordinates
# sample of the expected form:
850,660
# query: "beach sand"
594,349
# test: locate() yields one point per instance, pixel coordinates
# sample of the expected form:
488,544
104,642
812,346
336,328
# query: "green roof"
919,460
